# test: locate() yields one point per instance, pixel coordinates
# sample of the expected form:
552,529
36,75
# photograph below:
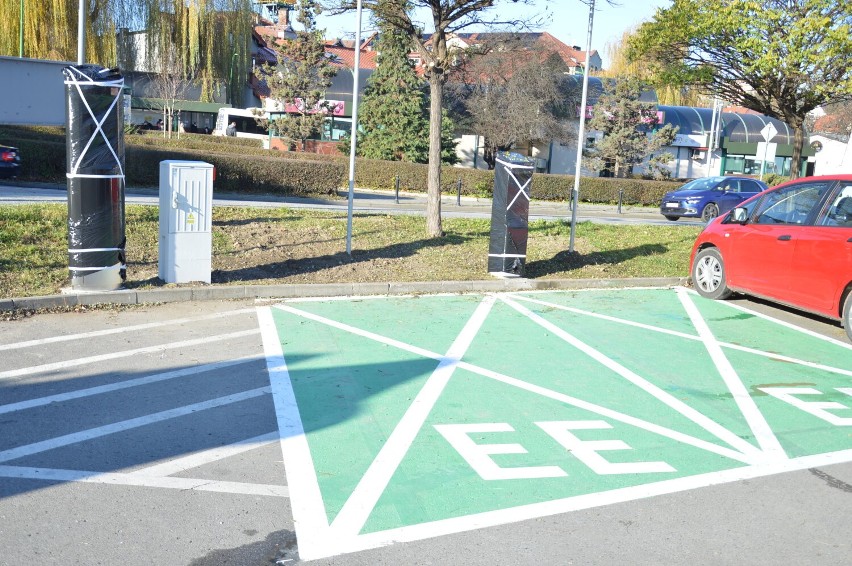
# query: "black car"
10,162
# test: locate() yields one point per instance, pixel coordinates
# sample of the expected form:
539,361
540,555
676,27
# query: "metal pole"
21,34
81,33
354,133
581,135
711,137
620,199
396,187
458,192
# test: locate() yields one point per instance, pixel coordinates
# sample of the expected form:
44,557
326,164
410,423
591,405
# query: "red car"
791,244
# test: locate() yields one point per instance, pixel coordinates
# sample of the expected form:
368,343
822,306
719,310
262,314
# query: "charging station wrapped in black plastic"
510,208
95,172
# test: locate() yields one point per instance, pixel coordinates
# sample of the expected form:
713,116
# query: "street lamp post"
81,33
21,33
581,135
354,133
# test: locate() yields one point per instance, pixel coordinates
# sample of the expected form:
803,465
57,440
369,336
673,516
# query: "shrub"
243,165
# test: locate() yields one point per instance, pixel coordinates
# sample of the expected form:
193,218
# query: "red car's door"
761,253
821,266
758,258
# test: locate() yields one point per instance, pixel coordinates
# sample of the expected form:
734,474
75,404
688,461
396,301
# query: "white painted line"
123,354
101,389
183,484
309,513
92,433
363,333
770,355
106,332
588,501
756,421
786,324
664,397
611,414
608,318
191,461
351,518
680,437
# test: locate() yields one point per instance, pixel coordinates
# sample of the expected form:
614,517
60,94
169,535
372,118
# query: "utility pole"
581,135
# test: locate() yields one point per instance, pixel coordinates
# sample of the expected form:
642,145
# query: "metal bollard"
458,192
396,184
620,198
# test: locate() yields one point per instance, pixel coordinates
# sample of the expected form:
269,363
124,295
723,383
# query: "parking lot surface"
594,426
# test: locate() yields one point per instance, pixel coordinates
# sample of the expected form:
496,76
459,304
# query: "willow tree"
212,37
621,67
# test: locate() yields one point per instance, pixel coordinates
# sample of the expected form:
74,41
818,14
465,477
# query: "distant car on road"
791,244
10,162
708,197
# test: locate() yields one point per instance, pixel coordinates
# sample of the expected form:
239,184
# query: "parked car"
10,162
791,244
709,197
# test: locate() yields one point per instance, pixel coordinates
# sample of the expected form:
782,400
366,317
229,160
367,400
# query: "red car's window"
839,212
791,205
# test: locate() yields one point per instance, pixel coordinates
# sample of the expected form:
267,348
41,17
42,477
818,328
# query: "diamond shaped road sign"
411,417
768,132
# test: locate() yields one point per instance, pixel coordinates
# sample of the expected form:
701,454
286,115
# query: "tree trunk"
433,183
798,142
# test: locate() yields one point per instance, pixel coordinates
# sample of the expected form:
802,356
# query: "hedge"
244,166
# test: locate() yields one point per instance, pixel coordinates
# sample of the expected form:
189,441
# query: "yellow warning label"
190,219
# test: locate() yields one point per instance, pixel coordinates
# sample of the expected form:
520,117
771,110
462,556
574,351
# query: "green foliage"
204,35
299,82
773,179
782,58
625,123
243,168
394,115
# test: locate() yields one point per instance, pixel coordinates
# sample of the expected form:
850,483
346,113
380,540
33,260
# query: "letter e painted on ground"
477,455
587,450
816,408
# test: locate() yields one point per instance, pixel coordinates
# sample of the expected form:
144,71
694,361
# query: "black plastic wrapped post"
95,172
507,252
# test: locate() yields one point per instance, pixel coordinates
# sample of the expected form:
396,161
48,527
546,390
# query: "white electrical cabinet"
186,210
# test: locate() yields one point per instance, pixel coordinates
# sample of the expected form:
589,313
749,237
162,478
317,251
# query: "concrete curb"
231,292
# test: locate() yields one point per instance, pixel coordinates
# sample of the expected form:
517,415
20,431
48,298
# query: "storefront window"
734,164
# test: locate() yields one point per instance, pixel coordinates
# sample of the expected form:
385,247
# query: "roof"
572,55
738,127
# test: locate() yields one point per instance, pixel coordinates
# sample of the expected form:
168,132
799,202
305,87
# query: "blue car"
709,197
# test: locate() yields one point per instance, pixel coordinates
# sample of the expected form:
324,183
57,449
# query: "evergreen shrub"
244,166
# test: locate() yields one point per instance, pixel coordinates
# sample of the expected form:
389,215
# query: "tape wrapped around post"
507,251
95,173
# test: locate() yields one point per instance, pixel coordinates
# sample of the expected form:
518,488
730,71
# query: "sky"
567,20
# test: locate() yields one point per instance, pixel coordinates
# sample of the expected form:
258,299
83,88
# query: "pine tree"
394,114
626,123
395,126
297,84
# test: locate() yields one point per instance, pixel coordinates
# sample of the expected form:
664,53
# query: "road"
378,202
237,432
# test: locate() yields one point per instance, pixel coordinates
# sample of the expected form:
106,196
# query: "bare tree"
515,92
169,85
448,17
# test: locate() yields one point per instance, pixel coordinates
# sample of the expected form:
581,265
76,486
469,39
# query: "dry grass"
263,246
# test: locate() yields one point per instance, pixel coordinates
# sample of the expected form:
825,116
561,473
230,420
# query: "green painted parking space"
412,417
